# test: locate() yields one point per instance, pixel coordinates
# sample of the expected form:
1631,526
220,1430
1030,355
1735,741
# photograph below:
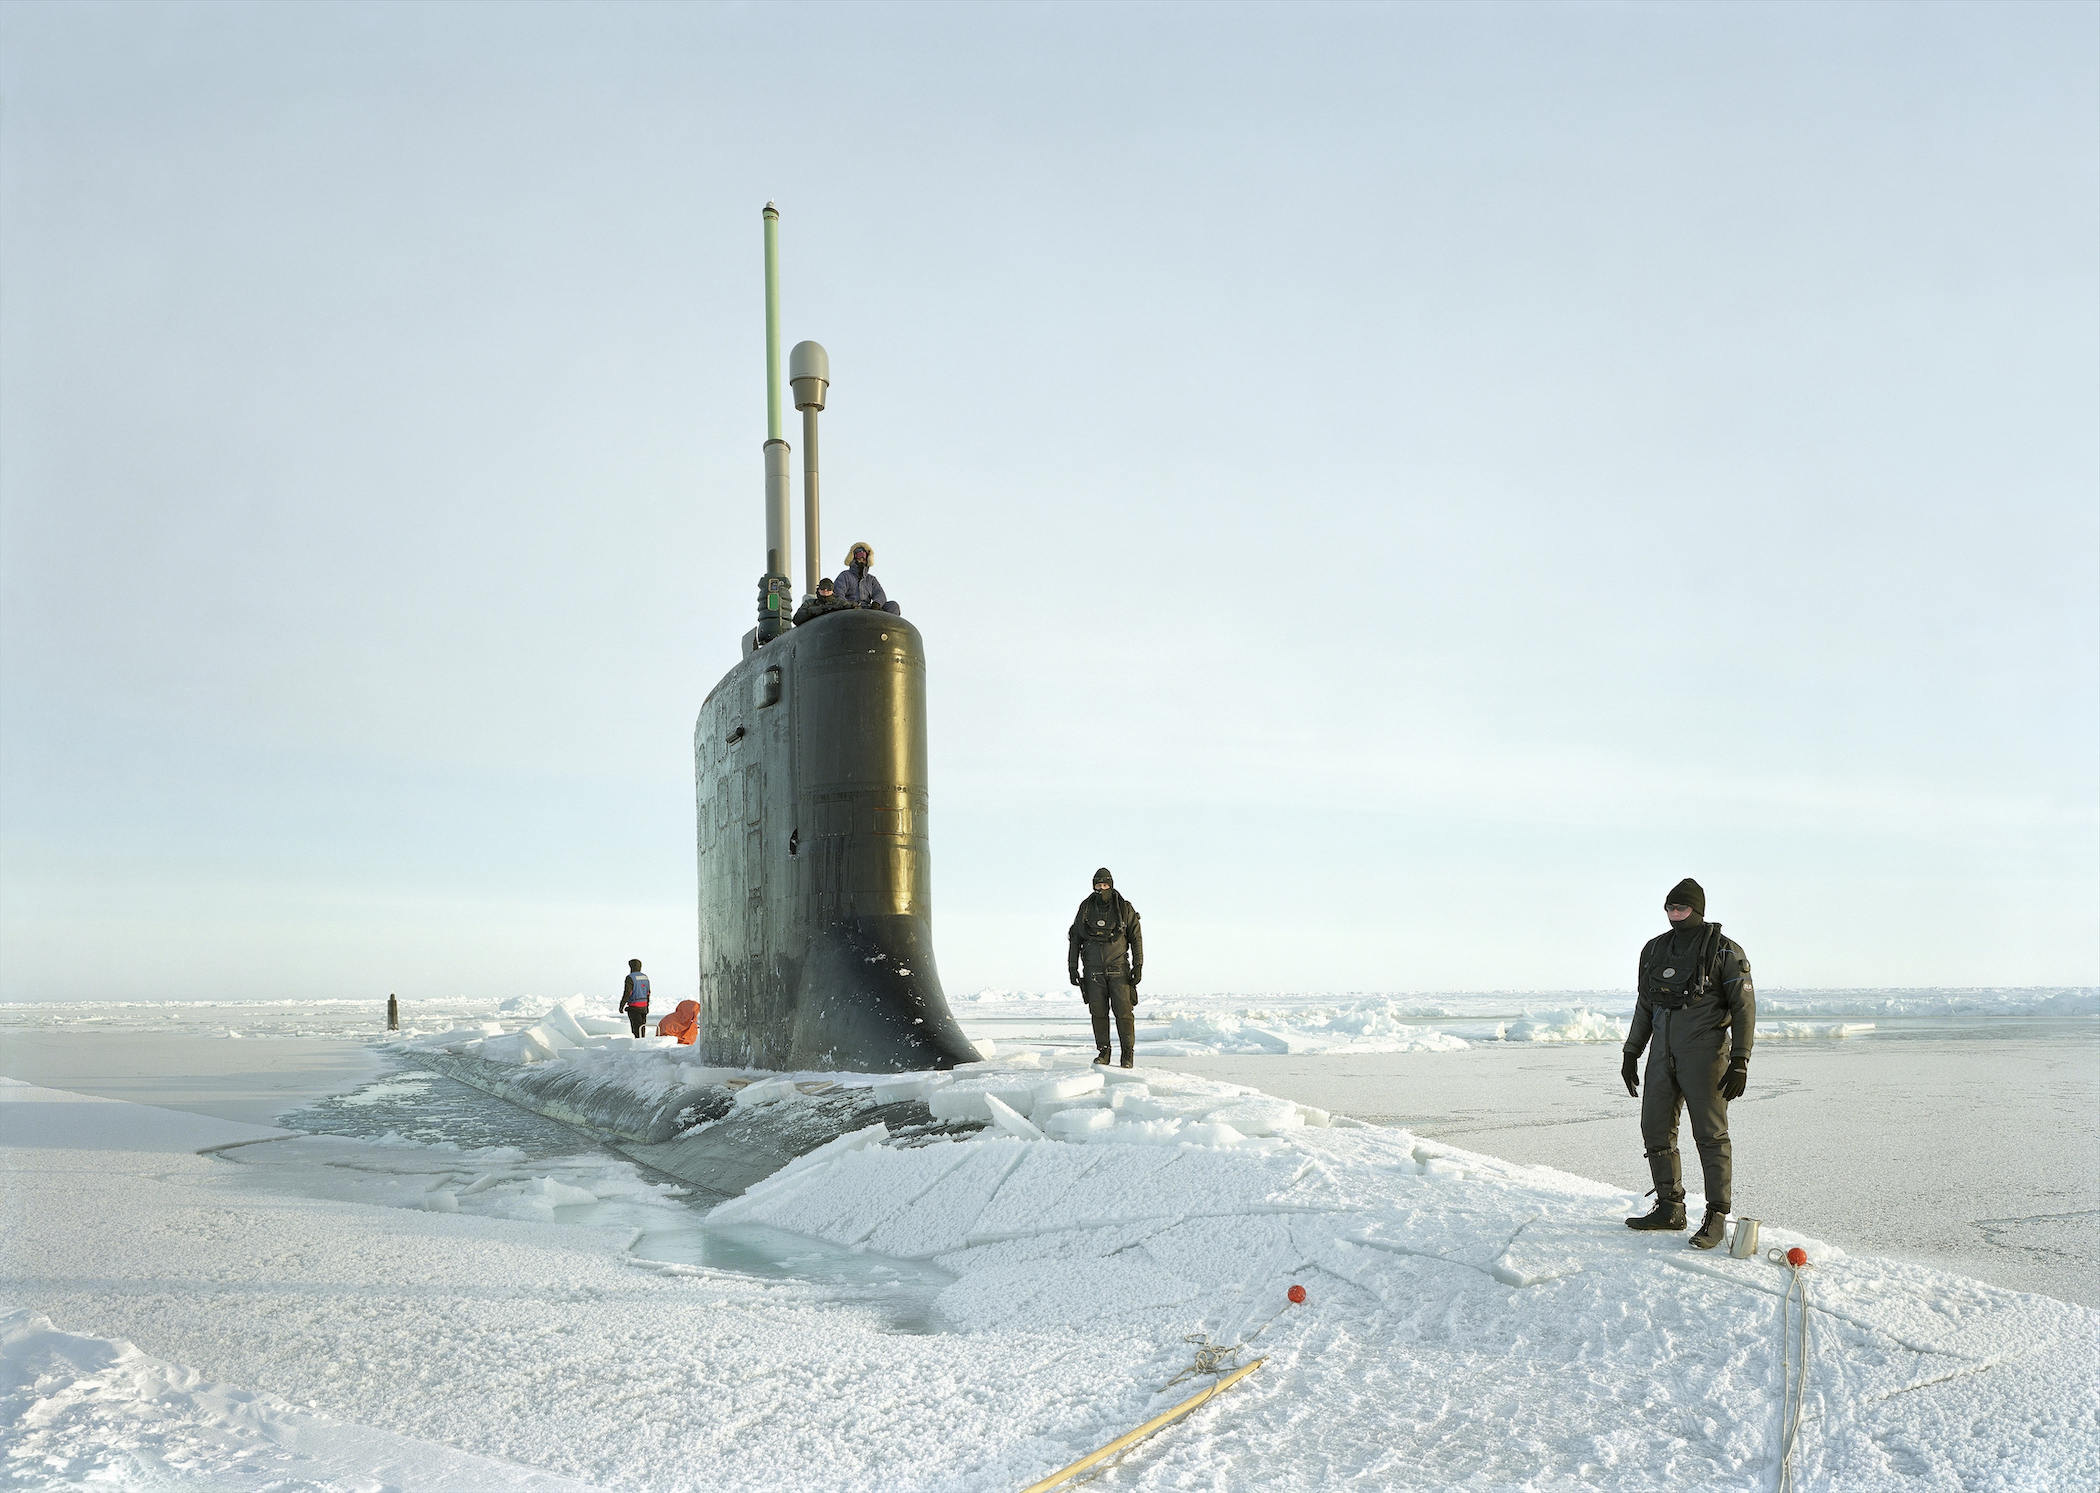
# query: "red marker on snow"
1297,1295
1797,1257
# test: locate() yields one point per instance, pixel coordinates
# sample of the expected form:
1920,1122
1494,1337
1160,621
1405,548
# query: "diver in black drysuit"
1105,957
1697,1003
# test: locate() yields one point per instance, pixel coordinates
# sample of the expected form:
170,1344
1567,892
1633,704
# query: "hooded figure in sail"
857,586
822,603
1105,957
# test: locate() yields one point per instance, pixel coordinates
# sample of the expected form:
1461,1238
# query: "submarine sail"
809,765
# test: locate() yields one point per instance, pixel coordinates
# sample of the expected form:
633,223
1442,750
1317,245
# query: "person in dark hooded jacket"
825,600
1696,1003
857,585
1105,957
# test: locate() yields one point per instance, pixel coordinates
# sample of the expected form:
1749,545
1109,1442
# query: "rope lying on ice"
1793,1372
1131,1438
1219,1358
1211,1358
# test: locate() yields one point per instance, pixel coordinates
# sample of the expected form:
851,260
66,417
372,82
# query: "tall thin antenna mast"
772,322
775,591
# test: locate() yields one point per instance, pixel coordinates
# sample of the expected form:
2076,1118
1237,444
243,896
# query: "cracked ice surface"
1470,1323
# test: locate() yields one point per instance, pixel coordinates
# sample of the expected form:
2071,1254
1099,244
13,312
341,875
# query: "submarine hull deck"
816,884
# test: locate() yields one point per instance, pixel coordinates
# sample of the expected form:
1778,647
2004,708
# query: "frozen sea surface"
1284,1024
171,1063
416,1293
1975,1151
176,1318
1187,1024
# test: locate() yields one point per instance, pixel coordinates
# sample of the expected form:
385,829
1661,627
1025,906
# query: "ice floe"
1469,1321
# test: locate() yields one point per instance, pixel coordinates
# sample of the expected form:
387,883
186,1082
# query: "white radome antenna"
809,375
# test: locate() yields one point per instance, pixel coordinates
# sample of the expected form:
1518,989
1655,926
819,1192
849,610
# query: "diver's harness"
1114,928
1670,987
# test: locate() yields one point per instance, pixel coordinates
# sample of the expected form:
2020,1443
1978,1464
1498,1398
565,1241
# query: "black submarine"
809,771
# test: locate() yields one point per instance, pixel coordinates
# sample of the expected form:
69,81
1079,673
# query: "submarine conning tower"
809,765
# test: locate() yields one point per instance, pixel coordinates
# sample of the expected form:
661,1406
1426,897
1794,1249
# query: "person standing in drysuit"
634,997
1105,956
1697,1005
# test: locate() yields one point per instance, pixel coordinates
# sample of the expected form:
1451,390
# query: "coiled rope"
1217,1360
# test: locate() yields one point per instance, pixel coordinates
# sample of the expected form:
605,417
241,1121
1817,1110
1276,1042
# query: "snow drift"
1469,1322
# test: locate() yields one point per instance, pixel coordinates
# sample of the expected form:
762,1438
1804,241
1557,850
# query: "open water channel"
413,1138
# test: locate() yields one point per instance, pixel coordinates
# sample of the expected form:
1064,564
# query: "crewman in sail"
825,600
1105,956
857,585
634,997
1695,1000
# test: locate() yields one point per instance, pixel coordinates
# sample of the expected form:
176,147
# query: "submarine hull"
816,879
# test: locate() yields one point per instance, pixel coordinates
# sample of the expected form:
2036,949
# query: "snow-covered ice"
1185,1023
91,1412
409,1309
1363,1026
1283,1024
343,1312
1793,1031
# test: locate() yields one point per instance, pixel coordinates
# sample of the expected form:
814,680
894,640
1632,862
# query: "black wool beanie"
1102,875
1688,893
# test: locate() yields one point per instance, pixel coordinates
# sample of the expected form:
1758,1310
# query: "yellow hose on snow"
1130,1438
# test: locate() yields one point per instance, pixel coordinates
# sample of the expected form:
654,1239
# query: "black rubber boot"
1662,1216
1713,1230
1129,1062
1101,1058
1668,1213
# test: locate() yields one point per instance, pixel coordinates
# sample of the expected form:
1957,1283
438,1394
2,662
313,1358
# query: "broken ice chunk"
1070,1086
1003,1116
1076,1124
1260,1116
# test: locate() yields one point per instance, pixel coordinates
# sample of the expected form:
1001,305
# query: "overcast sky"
1401,486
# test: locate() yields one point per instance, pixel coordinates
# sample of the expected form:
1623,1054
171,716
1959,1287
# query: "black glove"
1630,1070
1072,975
1736,1080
